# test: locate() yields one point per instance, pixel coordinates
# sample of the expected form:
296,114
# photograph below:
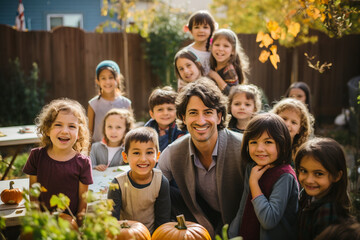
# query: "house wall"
37,10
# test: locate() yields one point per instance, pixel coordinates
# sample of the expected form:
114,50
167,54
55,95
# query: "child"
301,92
201,25
188,67
143,192
298,120
107,153
228,59
59,164
269,203
109,80
346,230
321,168
244,103
163,115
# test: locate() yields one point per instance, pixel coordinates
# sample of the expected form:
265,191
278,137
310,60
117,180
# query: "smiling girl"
228,60
59,164
321,168
244,103
188,67
269,202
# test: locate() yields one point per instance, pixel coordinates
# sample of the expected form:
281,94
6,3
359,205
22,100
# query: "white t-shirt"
111,152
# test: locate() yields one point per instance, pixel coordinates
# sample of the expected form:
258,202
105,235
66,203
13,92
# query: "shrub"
22,95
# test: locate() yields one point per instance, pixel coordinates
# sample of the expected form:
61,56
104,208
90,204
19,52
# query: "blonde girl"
60,164
244,103
321,169
268,207
107,153
298,120
228,60
110,81
188,67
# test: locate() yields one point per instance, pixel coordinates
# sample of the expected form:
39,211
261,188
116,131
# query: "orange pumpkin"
133,230
181,230
70,219
12,195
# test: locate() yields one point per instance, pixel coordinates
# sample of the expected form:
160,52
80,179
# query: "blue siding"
37,10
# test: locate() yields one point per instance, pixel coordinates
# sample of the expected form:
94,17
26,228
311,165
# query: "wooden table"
14,141
13,213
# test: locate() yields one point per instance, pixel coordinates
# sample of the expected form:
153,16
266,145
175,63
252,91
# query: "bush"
22,96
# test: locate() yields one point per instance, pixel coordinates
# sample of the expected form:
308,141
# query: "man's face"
201,121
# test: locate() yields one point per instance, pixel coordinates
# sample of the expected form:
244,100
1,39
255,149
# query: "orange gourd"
70,219
133,230
181,230
12,195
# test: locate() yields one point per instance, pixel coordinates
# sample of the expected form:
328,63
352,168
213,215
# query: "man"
205,164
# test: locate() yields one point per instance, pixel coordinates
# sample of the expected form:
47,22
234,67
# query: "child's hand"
256,173
101,167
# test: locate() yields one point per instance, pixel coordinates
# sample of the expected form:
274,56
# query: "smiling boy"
163,115
143,192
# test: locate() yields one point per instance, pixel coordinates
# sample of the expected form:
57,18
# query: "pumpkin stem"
11,184
125,224
181,222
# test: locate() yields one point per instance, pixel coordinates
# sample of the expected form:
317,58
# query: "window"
69,20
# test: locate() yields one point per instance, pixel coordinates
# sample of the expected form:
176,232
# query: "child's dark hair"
115,70
330,155
188,54
122,113
162,95
239,59
276,129
348,229
50,112
209,93
305,88
202,17
143,135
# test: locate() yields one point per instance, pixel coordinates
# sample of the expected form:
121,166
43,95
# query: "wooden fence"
67,58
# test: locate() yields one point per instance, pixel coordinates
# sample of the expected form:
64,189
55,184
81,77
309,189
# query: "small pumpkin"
133,230
70,219
181,230
12,195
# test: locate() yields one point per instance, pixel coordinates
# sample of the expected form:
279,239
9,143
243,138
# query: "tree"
123,10
289,21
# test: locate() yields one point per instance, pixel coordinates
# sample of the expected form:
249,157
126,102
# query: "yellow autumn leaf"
294,28
273,49
311,1
324,1
272,25
267,40
322,19
259,36
274,60
42,189
264,55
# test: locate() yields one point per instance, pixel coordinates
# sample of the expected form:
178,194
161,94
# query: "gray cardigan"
99,155
176,163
